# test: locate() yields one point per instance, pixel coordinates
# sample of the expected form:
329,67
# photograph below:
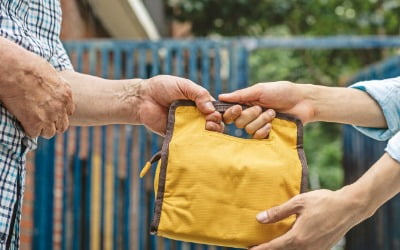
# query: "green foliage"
328,67
322,146
301,17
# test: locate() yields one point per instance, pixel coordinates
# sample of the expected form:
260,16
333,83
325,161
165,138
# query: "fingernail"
271,113
262,216
210,106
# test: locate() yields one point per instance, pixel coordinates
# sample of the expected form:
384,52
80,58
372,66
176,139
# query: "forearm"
343,105
100,102
16,63
379,184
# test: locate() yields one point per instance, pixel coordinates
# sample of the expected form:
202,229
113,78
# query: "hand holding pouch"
210,186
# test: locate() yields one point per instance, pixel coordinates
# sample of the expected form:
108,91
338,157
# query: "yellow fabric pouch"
210,186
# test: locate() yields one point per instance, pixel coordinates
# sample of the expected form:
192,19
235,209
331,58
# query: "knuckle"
239,124
255,110
295,241
202,91
249,129
261,133
266,117
298,202
227,118
299,242
68,94
272,213
291,241
284,82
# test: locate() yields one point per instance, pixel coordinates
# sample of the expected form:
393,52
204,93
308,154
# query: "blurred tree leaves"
328,67
301,17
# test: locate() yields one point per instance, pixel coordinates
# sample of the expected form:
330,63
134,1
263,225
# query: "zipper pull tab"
146,168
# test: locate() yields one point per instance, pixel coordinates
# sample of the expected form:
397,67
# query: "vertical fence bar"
167,70
194,77
44,195
88,174
128,185
233,81
155,65
143,211
104,74
77,188
65,198
205,81
193,62
217,69
77,169
116,140
205,66
128,160
64,192
180,68
242,67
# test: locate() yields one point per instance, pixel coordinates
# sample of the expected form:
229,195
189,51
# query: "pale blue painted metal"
199,60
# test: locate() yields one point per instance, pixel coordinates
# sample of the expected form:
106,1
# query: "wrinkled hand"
159,92
283,97
323,218
39,99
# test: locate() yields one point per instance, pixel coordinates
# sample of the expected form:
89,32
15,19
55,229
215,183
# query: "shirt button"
25,141
3,237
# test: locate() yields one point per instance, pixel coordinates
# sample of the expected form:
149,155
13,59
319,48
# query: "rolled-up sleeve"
393,147
387,94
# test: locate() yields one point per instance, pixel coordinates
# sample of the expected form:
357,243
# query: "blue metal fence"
86,149
104,204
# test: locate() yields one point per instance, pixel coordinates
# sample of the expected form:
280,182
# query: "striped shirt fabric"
34,25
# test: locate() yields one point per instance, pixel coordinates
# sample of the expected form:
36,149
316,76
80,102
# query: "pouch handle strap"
146,168
224,106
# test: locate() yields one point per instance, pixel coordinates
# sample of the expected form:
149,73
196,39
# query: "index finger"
232,113
274,214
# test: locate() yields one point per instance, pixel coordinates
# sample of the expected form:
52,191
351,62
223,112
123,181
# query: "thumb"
274,214
246,95
198,94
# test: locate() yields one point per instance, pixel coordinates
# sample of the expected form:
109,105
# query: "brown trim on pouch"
220,107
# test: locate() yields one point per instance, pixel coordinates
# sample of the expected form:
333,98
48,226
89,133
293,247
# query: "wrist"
358,201
309,98
132,97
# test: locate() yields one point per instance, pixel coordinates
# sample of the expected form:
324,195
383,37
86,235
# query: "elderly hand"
159,92
323,218
32,91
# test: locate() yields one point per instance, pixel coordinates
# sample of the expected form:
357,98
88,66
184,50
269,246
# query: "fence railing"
104,204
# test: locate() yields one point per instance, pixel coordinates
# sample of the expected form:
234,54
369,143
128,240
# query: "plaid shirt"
34,25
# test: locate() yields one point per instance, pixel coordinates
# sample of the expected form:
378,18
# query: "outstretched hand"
283,97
